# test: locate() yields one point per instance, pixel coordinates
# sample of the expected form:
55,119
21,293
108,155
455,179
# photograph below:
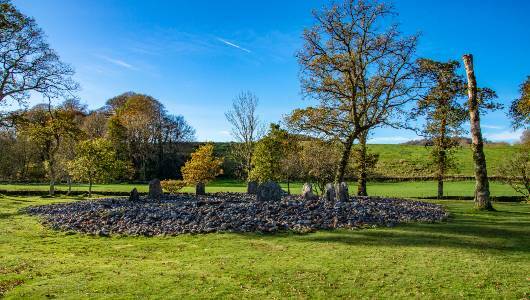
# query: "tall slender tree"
443,111
482,189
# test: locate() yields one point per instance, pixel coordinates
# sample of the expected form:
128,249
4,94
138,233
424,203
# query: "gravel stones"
229,212
155,189
269,191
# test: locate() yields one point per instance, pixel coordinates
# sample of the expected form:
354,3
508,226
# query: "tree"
482,190
444,114
515,171
202,167
246,129
319,161
48,127
268,155
360,70
27,63
96,162
520,108
363,163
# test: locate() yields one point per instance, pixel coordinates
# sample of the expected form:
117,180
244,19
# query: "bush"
172,186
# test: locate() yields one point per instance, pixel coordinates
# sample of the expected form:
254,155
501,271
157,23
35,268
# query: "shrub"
172,186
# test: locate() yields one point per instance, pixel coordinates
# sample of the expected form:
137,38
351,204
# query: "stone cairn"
134,196
252,187
155,189
307,192
269,191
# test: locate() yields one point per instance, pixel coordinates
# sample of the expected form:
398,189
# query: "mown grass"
417,189
473,255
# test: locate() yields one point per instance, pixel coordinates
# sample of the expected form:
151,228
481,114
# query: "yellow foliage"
172,186
203,166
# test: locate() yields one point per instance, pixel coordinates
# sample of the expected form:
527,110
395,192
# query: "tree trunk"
341,170
482,190
440,186
69,182
441,157
90,188
52,177
288,187
363,172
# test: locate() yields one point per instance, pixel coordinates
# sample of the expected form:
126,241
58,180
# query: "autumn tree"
27,63
96,162
202,168
246,129
444,112
520,108
268,155
360,70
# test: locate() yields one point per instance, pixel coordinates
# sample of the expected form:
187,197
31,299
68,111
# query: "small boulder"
252,187
155,189
200,189
269,191
341,191
307,191
134,196
329,192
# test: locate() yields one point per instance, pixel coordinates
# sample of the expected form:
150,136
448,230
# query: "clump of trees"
96,162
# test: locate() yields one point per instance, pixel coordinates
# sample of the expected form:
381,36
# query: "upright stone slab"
200,189
155,189
269,191
252,187
307,191
329,192
341,191
134,196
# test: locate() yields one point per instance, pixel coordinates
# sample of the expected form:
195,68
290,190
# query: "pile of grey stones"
265,209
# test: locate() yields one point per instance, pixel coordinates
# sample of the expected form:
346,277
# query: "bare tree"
27,63
246,128
359,68
482,189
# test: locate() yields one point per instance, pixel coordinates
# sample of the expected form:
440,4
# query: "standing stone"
341,191
329,192
252,187
269,191
134,196
307,191
200,189
155,189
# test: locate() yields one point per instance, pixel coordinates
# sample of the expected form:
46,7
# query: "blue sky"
195,56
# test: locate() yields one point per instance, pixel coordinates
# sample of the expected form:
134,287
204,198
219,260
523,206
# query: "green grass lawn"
389,189
473,255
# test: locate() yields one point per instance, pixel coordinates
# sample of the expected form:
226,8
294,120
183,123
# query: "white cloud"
224,132
491,126
117,62
233,45
507,136
388,139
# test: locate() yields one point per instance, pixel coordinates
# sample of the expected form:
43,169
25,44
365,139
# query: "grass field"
411,160
473,255
389,189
